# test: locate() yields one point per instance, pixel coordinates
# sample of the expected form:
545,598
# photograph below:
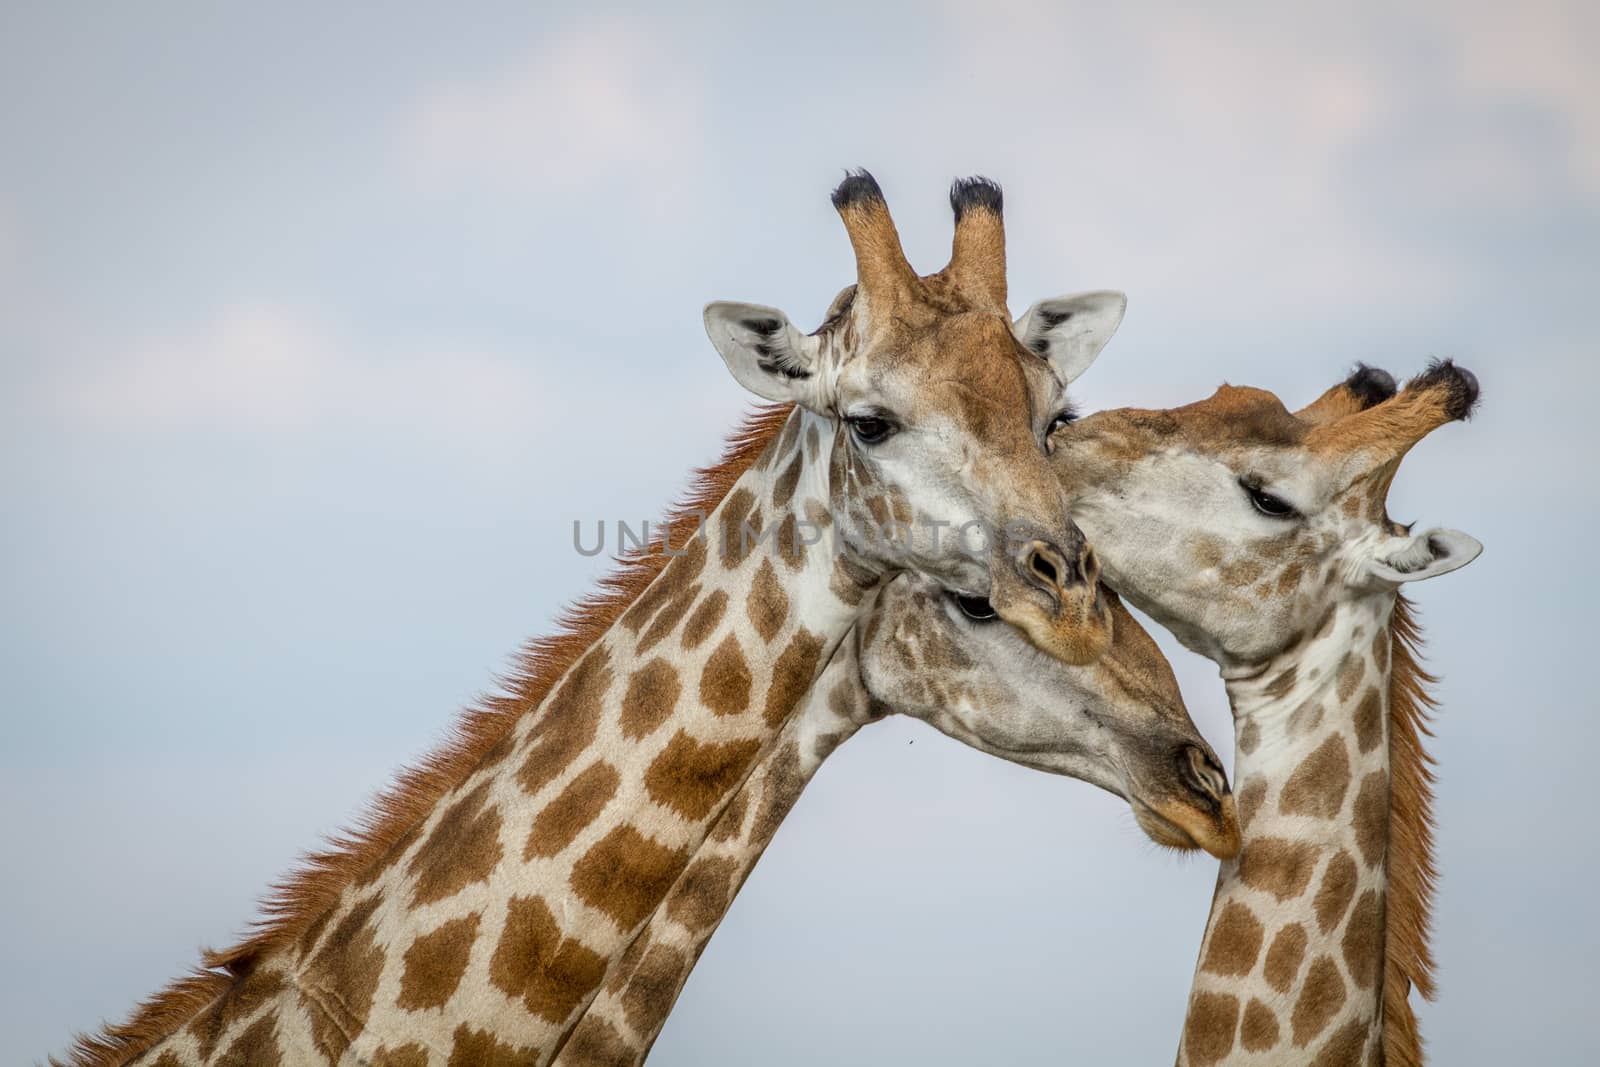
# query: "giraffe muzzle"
1053,597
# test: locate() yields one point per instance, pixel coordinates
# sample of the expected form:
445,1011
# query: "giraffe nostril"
1201,772
1089,566
1042,565
1044,568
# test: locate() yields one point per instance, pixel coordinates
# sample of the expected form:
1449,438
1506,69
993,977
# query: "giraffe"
643,985
473,914
1119,723
1262,539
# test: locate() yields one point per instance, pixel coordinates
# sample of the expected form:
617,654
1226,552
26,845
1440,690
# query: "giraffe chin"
1187,828
1078,634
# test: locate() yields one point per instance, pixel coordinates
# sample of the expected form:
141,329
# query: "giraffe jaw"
1187,828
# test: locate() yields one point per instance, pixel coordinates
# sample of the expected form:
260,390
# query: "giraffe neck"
485,931
642,986
1292,961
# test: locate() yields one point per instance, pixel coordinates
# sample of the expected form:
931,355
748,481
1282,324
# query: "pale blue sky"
318,328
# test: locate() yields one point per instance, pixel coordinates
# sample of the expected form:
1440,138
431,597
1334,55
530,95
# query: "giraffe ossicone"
1319,929
1261,538
474,915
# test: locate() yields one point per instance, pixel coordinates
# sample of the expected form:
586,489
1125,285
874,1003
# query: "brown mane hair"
315,884
1413,875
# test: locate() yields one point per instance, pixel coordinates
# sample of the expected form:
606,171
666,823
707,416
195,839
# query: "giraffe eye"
871,429
1273,507
1065,416
976,608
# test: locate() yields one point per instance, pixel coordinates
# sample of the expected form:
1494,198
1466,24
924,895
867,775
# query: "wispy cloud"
1546,58
606,98
266,370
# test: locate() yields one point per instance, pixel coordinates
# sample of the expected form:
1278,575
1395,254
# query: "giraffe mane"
314,885
1413,873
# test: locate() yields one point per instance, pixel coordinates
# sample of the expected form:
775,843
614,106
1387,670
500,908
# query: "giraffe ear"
765,352
1070,331
1413,557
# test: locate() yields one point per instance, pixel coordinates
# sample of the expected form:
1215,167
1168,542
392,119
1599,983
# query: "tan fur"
308,892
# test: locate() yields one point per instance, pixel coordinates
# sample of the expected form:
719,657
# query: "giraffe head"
943,410
1239,524
1119,723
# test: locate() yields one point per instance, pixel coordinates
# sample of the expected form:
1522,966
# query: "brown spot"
783,487
258,1044
791,548
672,612
768,604
1235,941
703,894
1380,650
1363,940
410,1054
791,433
1372,817
1317,787
1289,580
239,1001
596,1042
784,785
732,542
1259,1030
435,963
1249,800
792,675
463,849
1338,887
1321,997
653,989
843,699
1242,572
167,1059
731,821
849,581
1344,1047
1369,720
617,974
480,1048
652,696
1207,551
1283,958
1249,737
552,974
1351,671
1208,1032
725,679
692,777
344,973
578,805
568,724
679,573
704,620
1305,718
1325,627
878,508
625,875
1276,866
1279,687
308,937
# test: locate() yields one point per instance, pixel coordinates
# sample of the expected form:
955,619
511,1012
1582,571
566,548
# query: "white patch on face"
1011,701
1177,532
